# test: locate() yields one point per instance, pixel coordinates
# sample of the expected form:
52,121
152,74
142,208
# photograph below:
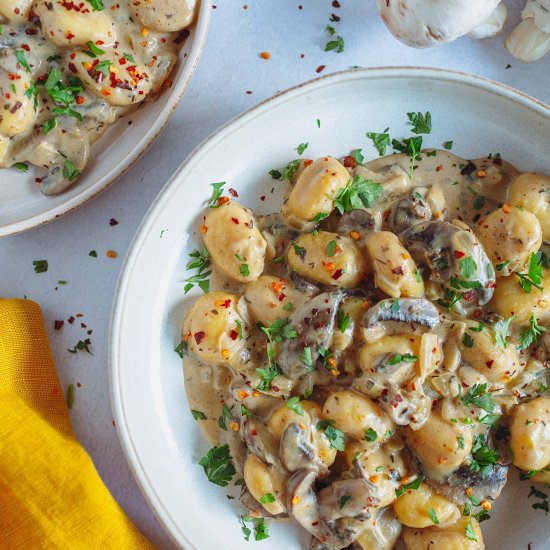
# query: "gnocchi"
465,534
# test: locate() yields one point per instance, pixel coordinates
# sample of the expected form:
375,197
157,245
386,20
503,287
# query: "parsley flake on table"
217,465
533,277
334,435
301,148
336,45
380,141
70,396
531,335
294,404
358,193
82,345
448,145
40,266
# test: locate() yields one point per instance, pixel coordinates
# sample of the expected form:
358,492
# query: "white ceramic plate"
160,438
23,206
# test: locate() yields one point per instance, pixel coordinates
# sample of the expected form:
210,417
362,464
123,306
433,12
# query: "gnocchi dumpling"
464,534
65,26
163,15
259,481
395,272
327,258
509,235
441,446
358,416
510,300
419,507
530,434
212,329
382,533
234,241
531,191
17,113
314,191
15,10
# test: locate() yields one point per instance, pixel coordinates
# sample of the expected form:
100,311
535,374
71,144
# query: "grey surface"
230,66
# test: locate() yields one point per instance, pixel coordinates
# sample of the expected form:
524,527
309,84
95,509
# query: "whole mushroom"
426,23
530,40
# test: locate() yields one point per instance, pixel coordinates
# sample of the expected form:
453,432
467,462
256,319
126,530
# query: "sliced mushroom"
277,234
314,323
361,493
442,246
260,440
406,310
303,506
454,487
297,451
360,220
409,211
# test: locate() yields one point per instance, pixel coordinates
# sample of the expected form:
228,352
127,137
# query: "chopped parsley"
331,248
483,458
501,329
448,145
40,266
394,308
294,404
21,166
307,359
244,270
479,396
530,335
467,267
93,51
433,516
217,465
301,148
200,260
358,156
336,45
533,277
267,374
469,531
319,217
358,193
97,5
413,485
70,171
288,172
370,435
49,125
343,320
216,193
380,141
225,416
267,498
198,415
280,330
181,348
421,124
81,345
299,250
503,265
402,358
70,396
129,57
334,435
467,340
23,60
412,147
344,499
260,528
275,174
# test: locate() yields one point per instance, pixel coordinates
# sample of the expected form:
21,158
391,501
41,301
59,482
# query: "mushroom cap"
427,23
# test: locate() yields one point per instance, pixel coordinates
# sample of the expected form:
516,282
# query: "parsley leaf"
260,528
294,404
530,335
370,435
344,499
40,266
337,45
280,330
358,193
467,340
448,145
470,533
433,516
467,267
217,465
483,458
334,435
421,124
343,320
402,358
479,396
301,148
267,498
198,415
331,248
216,193
358,156
22,60
533,277
307,359
413,485
380,141
267,374
200,260
288,172
97,5
501,329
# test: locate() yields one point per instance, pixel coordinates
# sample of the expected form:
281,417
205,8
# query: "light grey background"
230,67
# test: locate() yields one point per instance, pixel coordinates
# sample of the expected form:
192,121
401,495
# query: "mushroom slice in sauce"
361,493
297,452
406,310
304,508
260,440
444,247
360,220
455,485
314,323
408,212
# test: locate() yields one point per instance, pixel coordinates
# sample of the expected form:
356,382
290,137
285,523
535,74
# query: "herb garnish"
421,124
402,358
501,329
531,335
260,528
217,465
433,516
483,458
97,5
358,193
200,260
40,266
301,148
380,141
22,60
294,404
413,485
334,435
533,277
343,320
479,396
370,435
198,415
216,194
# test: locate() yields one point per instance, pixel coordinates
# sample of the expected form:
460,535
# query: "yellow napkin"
50,493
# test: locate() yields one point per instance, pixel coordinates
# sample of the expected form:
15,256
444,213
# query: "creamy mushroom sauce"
406,358
70,69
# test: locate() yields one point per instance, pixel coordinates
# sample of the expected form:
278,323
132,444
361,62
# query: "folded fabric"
50,493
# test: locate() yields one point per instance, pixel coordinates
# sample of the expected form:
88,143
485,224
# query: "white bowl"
160,438
23,206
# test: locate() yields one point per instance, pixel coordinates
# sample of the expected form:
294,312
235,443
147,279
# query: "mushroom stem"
530,40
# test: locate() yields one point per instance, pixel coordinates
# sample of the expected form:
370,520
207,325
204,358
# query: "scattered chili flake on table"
320,68
58,324
112,222
111,254
265,55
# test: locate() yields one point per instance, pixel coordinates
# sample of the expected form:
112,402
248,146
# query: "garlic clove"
527,42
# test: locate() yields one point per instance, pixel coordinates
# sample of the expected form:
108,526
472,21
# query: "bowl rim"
138,470
189,65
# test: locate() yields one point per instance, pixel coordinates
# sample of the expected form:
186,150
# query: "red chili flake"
282,297
199,336
26,47
275,388
69,35
439,168
349,162
232,192
30,32
468,296
72,56
82,325
253,431
78,385
233,334
490,363
337,274
459,254
248,92
112,222
335,4
122,61
491,284
71,319
235,221
58,324
397,270
72,68
320,68
262,198
302,55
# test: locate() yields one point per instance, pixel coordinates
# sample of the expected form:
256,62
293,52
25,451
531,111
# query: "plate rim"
190,64
115,388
